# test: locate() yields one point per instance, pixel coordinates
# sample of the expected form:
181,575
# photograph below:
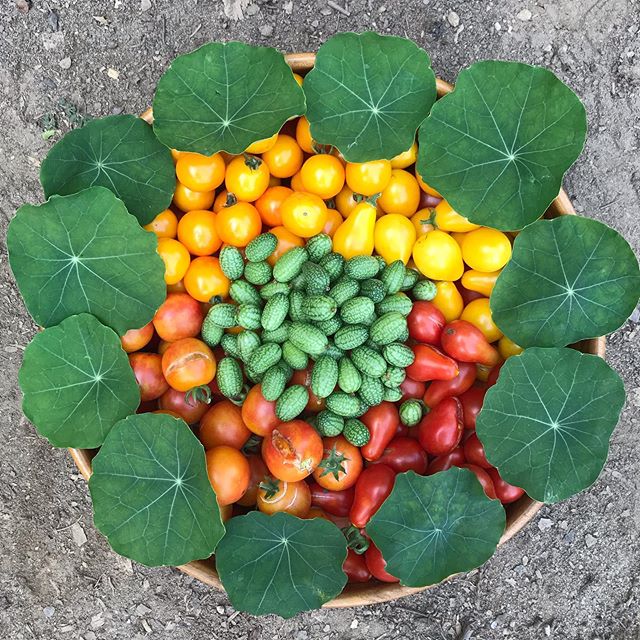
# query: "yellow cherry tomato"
438,257
458,236
296,182
197,232
368,178
298,78
323,175
406,158
422,221
205,280
401,195
188,200
394,237
285,158
238,224
164,225
304,214
425,187
247,178
355,236
449,300
447,219
478,313
345,202
508,347
223,200
334,220
176,259
200,173
303,135
260,146
480,281
486,249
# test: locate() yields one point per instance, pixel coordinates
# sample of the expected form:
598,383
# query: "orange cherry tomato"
228,472
334,220
223,200
286,241
188,363
176,259
135,339
292,450
322,175
303,135
285,158
340,466
368,178
260,146
197,232
296,182
258,413
200,173
406,158
401,195
259,473
345,202
247,177
238,224
147,368
276,496
223,424
188,200
204,279
164,225
179,316
269,205
304,214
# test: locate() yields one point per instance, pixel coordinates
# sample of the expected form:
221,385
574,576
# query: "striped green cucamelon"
333,352
271,288
392,394
223,314
308,338
292,402
362,267
411,277
265,356
324,376
329,424
396,302
231,262
344,404
229,377
344,289
278,334
290,264
275,311
248,316
319,307
329,327
393,377
274,381
229,344
211,332
368,361
316,279
393,276
410,412
371,390
258,273
294,357
424,290
244,292
351,336
296,299
248,341
388,328
373,289
261,248
356,432
319,246
349,378
333,264
358,310
399,355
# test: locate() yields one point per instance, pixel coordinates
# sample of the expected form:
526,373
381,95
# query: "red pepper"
404,454
441,389
377,564
474,452
493,374
372,488
382,422
472,400
453,459
440,431
355,566
431,364
466,343
484,478
337,503
505,492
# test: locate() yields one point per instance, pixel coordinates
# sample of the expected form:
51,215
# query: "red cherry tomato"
431,364
493,374
404,454
372,488
340,466
303,377
402,431
292,450
425,322
136,339
468,295
440,431
466,343
474,452
471,401
179,316
223,425
189,410
355,566
377,564
259,414
258,473
440,389
382,422
412,389
453,459
337,503
147,368
505,492
484,478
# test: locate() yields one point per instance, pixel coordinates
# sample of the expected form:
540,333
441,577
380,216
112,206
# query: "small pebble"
453,19
524,15
590,541
48,612
544,524
65,63
252,9
265,30
354,623
570,537
220,609
145,5
78,534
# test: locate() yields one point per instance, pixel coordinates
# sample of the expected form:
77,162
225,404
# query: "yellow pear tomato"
164,225
401,195
394,237
176,259
422,221
355,236
438,257
508,347
368,178
478,313
447,219
486,249
406,158
480,281
449,300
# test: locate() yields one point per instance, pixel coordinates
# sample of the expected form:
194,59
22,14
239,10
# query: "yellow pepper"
354,237
438,256
448,300
480,281
478,313
447,219
394,236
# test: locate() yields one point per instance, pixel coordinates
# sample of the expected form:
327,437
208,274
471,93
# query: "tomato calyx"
240,398
231,200
333,463
355,540
270,486
358,197
252,445
198,394
216,299
252,162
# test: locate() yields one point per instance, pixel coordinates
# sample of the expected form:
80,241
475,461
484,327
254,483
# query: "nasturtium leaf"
568,279
497,147
546,423
367,94
85,253
431,527
280,564
77,382
119,153
151,494
223,97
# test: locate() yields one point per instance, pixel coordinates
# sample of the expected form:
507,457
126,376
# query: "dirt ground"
573,573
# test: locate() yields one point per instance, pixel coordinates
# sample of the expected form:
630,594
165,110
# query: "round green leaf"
367,94
546,423
568,279
77,382
85,253
151,493
431,527
497,147
281,564
223,97
119,153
